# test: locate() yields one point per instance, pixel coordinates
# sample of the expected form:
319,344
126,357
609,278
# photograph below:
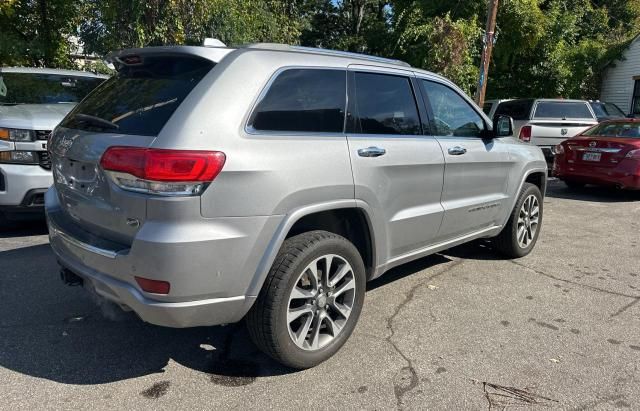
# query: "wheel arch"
342,217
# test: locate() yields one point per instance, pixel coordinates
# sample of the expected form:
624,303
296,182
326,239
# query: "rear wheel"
520,235
311,300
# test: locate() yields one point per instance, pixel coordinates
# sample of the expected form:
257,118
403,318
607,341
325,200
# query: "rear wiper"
96,121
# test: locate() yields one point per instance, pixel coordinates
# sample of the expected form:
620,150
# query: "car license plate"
591,156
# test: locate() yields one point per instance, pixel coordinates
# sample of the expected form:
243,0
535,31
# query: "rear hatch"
129,109
556,121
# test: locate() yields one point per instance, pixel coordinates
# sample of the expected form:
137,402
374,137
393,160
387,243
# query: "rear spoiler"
132,57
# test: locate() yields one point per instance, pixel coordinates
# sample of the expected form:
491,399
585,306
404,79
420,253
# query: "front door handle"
372,152
457,151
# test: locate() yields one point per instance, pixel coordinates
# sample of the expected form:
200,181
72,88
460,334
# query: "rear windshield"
606,110
623,129
562,110
37,88
516,109
140,98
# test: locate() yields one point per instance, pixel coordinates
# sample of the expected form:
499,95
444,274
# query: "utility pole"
487,49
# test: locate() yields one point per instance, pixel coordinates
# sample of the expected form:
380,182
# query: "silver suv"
200,186
32,103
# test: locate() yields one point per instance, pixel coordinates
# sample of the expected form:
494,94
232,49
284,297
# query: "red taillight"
162,172
164,165
153,286
525,134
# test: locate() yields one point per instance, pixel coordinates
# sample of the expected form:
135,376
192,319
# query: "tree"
37,32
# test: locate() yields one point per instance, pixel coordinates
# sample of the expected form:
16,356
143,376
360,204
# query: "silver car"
203,185
32,103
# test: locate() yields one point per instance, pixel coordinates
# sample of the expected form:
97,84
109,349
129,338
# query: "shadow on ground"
57,332
12,229
52,331
557,189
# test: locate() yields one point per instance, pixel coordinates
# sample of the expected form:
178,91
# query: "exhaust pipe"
69,278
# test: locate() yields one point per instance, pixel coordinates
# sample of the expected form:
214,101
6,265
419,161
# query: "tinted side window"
308,100
558,109
453,116
516,109
385,105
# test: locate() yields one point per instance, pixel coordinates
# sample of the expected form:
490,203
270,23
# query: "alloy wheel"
528,219
321,302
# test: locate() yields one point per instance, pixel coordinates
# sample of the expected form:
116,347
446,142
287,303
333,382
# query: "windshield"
630,129
37,88
606,110
140,98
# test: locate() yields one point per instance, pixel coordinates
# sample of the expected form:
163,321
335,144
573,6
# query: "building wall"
618,79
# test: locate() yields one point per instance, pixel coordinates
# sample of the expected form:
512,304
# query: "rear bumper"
22,186
210,266
626,175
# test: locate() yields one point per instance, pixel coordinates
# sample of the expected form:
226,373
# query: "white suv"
32,103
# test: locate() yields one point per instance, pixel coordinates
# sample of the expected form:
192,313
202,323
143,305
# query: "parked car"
489,107
547,122
32,103
202,185
607,154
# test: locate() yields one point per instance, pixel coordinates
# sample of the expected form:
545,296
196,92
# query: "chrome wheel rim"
528,219
321,302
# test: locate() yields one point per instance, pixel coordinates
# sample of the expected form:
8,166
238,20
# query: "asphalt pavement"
463,329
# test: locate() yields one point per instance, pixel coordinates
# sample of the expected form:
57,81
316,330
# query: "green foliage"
444,46
37,32
544,48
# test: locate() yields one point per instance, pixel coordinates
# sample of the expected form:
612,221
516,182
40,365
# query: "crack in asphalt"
636,298
401,390
626,307
590,287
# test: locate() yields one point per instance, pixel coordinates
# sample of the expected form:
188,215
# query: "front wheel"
311,300
520,235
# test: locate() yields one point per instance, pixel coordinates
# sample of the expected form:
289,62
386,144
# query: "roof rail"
326,52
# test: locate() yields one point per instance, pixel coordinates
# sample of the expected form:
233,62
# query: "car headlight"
16,134
19,157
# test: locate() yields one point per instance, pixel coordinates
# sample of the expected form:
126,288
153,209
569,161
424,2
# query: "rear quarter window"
303,100
140,98
562,110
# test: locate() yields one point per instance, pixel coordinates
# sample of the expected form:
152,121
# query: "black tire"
507,241
267,319
574,185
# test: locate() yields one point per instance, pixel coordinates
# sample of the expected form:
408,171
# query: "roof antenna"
210,42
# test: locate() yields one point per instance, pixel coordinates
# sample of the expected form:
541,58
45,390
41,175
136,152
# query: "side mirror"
502,126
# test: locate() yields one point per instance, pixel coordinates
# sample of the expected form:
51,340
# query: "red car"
606,154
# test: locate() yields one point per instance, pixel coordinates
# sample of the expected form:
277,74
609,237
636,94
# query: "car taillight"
525,134
635,154
162,172
558,149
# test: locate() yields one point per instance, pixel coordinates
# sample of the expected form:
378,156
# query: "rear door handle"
457,151
372,152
